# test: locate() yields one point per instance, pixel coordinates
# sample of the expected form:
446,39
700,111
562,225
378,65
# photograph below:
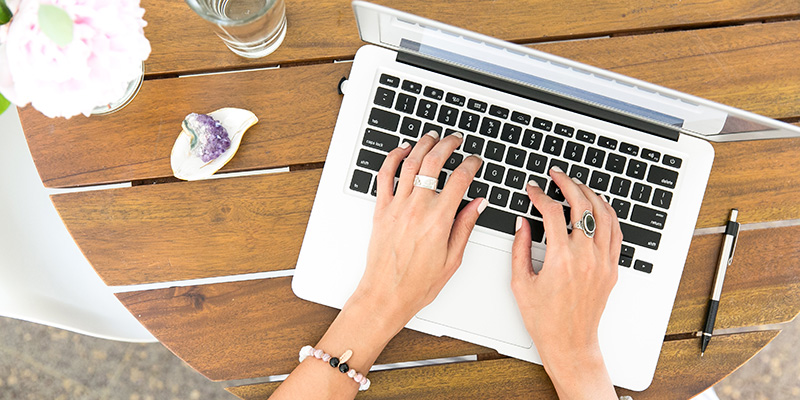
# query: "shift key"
640,236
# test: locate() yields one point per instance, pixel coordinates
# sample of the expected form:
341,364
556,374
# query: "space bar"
498,220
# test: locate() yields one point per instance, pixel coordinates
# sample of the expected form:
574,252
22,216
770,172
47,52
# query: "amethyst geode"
209,137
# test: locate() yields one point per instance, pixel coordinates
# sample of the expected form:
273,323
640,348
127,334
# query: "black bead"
334,362
343,368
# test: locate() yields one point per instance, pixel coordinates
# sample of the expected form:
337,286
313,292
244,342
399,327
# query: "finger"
602,217
413,162
616,236
572,193
462,228
555,226
434,161
386,174
521,266
458,183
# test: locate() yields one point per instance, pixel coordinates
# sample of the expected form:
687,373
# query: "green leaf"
56,24
3,104
5,13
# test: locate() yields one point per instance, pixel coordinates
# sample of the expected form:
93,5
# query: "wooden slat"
681,374
297,106
139,235
242,329
182,41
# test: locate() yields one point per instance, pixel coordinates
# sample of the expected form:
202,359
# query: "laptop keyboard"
518,147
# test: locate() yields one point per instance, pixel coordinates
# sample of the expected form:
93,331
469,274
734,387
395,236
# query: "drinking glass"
250,28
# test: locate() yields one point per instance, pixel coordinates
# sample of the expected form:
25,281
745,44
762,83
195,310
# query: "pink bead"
363,380
358,378
351,373
318,353
326,357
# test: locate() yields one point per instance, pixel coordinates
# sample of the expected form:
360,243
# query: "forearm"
360,327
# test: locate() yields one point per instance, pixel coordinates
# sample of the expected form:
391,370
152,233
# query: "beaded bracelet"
340,363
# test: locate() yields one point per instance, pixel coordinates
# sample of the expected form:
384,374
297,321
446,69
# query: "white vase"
130,93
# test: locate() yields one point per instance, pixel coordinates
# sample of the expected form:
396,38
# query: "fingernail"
477,156
482,205
519,224
555,168
433,134
533,183
405,145
458,135
577,181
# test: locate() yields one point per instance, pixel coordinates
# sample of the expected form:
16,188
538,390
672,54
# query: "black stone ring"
586,224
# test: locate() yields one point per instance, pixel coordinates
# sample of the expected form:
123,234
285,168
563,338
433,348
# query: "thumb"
521,267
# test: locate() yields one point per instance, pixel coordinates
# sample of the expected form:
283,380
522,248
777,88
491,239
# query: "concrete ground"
39,362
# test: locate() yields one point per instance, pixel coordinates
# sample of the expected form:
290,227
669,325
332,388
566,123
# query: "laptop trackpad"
478,298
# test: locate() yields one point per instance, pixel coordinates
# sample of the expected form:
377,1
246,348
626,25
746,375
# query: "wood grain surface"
751,67
680,374
326,30
221,329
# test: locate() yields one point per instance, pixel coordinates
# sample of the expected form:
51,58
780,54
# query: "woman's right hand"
563,303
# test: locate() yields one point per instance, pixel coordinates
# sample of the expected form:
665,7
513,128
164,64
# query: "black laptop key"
361,181
477,189
622,207
625,261
453,161
626,250
433,93
636,169
379,140
427,109
620,186
539,180
567,215
648,216
599,181
473,144
555,192
607,143
542,124
520,202
498,220
584,136
643,266
594,157
562,165
520,118
374,191
532,139
511,133
410,127
370,160
579,173
389,80
499,112
536,163
515,179
553,145
537,230
662,176
448,115
383,119
490,127
662,198
615,163
640,236
499,196
515,157
628,148
384,97
671,161
441,181
412,87
405,103
494,173
573,151
456,99
468,121
431,127
651,155
477,105
564,130
494,150
641,192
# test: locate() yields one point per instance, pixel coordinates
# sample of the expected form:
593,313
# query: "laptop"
644,147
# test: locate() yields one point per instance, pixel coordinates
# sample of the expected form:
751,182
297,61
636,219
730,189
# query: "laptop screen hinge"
540,96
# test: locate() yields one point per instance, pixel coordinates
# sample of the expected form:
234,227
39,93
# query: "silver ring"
426,182
586,224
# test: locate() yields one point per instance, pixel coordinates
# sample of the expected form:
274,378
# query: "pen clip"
735,241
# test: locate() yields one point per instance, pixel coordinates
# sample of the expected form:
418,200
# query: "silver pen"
725,259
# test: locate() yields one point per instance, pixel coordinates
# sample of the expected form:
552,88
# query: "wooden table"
740,52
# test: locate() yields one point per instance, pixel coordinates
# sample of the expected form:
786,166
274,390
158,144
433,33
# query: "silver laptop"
523,111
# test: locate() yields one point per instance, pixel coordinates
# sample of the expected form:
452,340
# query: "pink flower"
106,53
